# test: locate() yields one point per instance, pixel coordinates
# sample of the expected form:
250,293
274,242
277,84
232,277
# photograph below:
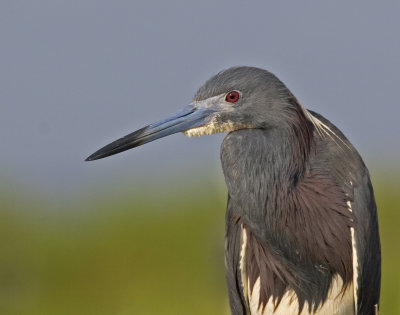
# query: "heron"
301,220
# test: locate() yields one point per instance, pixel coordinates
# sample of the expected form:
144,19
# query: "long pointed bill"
188,118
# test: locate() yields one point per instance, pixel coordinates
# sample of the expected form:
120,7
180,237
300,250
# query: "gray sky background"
75,75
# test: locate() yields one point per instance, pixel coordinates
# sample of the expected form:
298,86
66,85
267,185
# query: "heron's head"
237,98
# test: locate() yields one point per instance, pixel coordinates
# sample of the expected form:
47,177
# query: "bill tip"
90,158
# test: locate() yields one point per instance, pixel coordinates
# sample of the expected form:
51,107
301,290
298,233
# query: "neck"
300,138
286,208
261,166
289,148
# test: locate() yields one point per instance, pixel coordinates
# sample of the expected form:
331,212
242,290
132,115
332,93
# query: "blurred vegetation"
138,252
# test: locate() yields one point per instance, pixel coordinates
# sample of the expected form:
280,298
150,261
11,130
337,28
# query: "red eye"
232,97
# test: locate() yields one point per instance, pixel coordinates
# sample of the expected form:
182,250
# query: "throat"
213,127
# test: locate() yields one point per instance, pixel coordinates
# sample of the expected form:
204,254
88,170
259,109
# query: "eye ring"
232,96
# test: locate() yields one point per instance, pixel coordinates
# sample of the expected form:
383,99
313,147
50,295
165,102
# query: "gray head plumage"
264,101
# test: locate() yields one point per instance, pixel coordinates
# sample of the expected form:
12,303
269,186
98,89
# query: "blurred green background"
136,252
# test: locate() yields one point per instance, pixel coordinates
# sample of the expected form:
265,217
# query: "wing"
234,263
355,181
368,246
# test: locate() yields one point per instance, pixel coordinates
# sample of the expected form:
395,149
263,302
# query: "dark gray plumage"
301,224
